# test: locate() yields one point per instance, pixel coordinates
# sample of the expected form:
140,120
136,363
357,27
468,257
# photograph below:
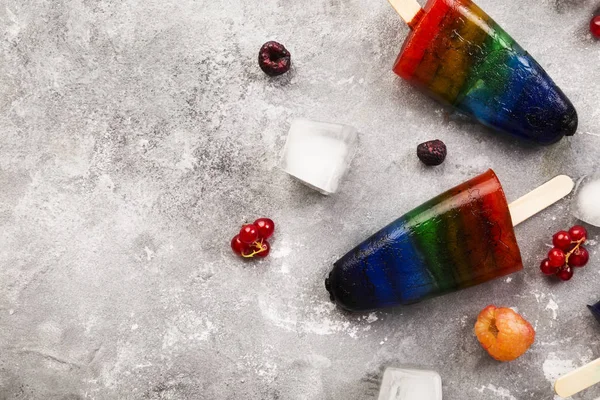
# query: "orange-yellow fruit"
503,333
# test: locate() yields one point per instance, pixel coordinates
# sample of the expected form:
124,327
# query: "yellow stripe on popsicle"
464,45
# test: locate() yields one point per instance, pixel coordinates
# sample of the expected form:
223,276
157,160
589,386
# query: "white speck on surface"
281,252
267,370
509,279
539,296
557,342
553,307
14,27
372,318
317,320
187,162
142,366
555,367
105,183
134,327
348,81
188,328
498,391
149,253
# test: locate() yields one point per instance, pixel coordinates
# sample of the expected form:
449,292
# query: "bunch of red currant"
252,240
567,253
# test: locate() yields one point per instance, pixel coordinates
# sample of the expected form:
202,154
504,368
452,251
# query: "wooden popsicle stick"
575,381
540,198
407,9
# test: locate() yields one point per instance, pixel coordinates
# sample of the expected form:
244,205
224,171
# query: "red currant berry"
556,257
263,250
548,269
579,258
562,240
595,26
265,226
565,274
577,233
238,246
249,234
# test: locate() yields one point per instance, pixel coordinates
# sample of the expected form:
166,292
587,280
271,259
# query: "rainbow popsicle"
458,55
458,239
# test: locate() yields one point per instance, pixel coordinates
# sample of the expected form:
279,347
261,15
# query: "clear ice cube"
318,153
410,384
586,202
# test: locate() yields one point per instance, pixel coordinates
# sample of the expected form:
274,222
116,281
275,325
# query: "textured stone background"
136,136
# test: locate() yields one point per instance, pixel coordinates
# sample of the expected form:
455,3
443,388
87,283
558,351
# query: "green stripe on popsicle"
490,72
429,224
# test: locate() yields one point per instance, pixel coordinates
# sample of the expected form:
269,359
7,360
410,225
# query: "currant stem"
259,246
579,243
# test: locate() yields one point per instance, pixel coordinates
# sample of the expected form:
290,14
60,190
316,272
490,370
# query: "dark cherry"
432,152
274,59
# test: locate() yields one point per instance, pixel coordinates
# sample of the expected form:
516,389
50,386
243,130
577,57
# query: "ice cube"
586,202
319,154
410,384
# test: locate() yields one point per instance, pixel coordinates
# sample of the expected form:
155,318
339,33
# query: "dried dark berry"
274,59
432,152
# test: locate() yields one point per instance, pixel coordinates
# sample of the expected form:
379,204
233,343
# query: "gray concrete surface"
137,136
